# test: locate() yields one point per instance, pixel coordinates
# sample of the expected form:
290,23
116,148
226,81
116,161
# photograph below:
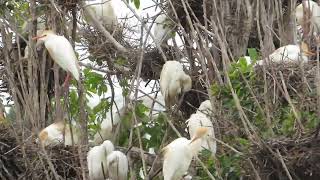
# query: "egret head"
200,133
43,35
43,136
305,49
108,146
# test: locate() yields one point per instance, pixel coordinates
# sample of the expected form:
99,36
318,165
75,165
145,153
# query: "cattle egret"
313,9
61,52
56,132
173,81
97,160
201,120
205,108
179,153
163,29
106,130
117,165
104,12
289,53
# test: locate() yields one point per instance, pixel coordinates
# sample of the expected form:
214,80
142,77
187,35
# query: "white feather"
177,157
104,12
61,52
55,133
205,107
97,160
106,131
173,81
201,120
117,165
163,29
288,53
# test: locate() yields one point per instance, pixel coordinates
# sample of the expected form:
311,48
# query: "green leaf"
253,54
137,3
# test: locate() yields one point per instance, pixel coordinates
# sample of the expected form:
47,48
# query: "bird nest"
298,81
301,157
26,159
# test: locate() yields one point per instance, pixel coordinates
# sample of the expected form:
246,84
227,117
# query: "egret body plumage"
56,132
163,29
61,52
117,165
179,153
173,81
97,160
104,12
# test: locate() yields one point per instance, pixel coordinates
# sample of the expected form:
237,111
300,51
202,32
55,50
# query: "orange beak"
194,139
309,53
37,37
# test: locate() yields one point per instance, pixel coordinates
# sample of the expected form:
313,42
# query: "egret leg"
66,81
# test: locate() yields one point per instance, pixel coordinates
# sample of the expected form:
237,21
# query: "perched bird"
198,120
104,12
313,9
289,53
97,160
179,153
163,29
173,81
106,127
117,165
61,52
205,108
55,133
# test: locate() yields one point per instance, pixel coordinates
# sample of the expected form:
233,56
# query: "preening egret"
97,160
104,12
61,52
54,134
163,29
313,9
179,153
117,165
173,81
198,120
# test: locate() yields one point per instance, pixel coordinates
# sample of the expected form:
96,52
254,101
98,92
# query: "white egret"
163,29
117,165
173,81
290,53
107,128
97,160
205,107
179,153
198,120
56,132
104,12
61,52
313,9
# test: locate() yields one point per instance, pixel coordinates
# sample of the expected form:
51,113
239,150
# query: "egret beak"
193,139
305,49
38,37
309,53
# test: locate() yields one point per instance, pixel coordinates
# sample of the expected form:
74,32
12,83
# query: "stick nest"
32,164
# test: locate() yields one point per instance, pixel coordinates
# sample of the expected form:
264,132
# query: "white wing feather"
63,54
